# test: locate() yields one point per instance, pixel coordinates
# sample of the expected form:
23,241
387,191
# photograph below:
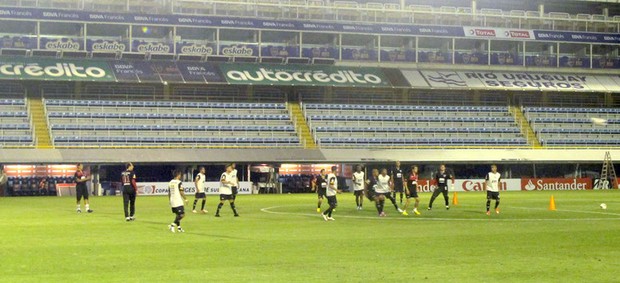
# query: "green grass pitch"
281,238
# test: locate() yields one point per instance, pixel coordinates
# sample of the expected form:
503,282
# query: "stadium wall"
200,156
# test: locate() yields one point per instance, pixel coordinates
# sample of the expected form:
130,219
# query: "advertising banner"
511,80
193,48
308,25
61,44
470,185
306,75
144,46
212,188
501,33
54,69
239,50
107,45
199,72
556,184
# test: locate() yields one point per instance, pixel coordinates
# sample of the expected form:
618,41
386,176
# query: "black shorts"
235,190
128,190
178,210
358,193
321,193
200,195
492,195
413,192
332,201
81,192
226,197
398,188
383,194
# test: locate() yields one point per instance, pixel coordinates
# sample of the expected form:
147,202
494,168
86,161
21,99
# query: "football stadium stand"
408,125
572,126
159,123
15,126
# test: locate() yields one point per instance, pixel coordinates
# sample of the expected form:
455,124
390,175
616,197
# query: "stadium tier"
15,126
560,17
347,125
573,126
150,123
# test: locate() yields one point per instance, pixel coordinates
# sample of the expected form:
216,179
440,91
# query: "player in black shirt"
320,186
130,188
398,176
81,190
441,178
371,183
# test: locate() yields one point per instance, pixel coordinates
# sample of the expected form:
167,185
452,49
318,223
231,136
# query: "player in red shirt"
411,188
81,190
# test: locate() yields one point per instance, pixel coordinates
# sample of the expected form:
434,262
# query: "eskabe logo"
59,44
153,48
197,49
58,70
237,51
340,77
109,46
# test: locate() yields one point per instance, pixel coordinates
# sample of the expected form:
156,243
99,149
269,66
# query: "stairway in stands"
39,121
302,126
526,128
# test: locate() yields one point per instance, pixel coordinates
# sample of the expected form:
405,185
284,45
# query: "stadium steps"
301,125
39,122
526,128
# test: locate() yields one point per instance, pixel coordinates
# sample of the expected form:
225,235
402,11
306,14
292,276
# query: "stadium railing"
347,11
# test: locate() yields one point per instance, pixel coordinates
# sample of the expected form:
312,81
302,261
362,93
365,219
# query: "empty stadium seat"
161,123
376,125
572,126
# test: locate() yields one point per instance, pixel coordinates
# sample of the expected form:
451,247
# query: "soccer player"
128,178
177,198
199,181
398,177
441,178
382,189
226,183
81,190
235,180
372,185
389,195
320,185
358,186
411,188
492,187
332,190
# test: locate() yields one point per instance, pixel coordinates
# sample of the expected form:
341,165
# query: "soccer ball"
603,206
598,121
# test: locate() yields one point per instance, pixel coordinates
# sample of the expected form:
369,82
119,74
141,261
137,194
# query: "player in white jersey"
235,180
177,198
332,190
358,186
199,181
382,190
226,183
491,185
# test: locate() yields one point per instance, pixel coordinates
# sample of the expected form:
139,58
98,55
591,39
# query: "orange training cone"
552,203
455,199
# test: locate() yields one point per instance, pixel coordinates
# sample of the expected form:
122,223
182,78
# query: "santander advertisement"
556,184
524,184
